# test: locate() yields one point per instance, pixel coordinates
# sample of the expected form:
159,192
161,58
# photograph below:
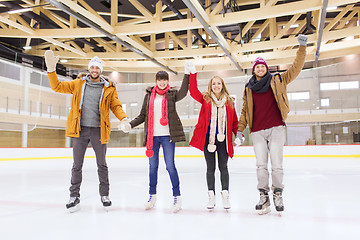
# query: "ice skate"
151,202
73,205
278,201
226,199
106,202
263,207
211,203
176,204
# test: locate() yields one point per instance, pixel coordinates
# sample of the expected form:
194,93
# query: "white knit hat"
95,61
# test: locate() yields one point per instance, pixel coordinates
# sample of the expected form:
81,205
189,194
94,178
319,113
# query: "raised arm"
183,89
298,64
193,88
55,84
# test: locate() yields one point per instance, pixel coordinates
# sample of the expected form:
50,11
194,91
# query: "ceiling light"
331,8
21,10
27,47
64,60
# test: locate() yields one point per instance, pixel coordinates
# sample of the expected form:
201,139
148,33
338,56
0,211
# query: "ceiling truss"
165,35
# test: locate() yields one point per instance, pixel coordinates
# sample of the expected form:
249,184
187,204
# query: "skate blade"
107,208
74,209
149,207
264,211
176,210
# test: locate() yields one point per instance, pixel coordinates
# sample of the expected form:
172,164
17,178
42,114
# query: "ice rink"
321,197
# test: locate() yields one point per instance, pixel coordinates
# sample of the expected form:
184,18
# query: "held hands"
51,61
302,39
239,140
125,125
189,68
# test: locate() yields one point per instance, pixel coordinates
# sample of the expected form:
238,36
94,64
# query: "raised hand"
302,39
189,68
51,61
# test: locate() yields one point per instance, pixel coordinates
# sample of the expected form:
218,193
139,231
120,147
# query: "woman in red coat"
214,131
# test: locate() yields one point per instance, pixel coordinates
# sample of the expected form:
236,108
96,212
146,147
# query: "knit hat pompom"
163,121
211,147
260,60
149,153
221,137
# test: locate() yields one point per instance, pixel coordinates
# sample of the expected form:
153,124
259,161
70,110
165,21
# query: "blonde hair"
224,92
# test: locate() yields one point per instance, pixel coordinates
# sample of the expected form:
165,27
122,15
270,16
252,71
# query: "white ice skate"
106,202
151,202
263,207
211,203
73,205
176,204
226,199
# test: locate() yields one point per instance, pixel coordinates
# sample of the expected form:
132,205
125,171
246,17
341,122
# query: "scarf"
163,120
262,85
218,115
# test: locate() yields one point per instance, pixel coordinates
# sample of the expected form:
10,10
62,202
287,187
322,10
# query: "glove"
125,125
51,61
240,139
302,39
189,68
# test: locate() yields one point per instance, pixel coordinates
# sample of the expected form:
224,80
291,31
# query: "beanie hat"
260,60
95,61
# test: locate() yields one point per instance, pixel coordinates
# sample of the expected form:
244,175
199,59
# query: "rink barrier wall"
316,151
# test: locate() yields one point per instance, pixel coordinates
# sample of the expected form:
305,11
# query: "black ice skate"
263,207
278,201
73,205
106,202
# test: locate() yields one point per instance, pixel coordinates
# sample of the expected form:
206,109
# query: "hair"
224,92
162,75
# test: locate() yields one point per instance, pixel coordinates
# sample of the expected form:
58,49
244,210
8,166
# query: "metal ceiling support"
180,16
320,32
211,32
95,26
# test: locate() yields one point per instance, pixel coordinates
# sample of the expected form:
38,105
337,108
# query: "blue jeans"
169,155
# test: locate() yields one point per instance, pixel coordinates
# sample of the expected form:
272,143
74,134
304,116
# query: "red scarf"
163,120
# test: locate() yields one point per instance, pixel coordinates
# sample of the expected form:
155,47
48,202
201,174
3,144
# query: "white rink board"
243,151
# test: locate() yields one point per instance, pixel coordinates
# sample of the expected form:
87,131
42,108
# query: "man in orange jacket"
88,121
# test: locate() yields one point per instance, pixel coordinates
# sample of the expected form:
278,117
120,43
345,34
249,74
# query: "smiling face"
162,83
95,72
216,86
260,70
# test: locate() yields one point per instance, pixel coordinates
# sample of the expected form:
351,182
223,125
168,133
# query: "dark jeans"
223,157
169,155
89,134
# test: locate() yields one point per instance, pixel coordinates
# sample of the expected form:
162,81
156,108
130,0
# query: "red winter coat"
201,128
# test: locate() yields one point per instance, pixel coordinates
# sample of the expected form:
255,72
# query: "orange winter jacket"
109,100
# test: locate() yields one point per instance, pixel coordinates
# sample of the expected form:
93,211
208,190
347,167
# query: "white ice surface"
321,199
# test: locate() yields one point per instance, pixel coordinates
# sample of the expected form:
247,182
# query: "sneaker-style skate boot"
106,202
263,207
278,201
226,199
73,205
151,202
211,203
176,204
